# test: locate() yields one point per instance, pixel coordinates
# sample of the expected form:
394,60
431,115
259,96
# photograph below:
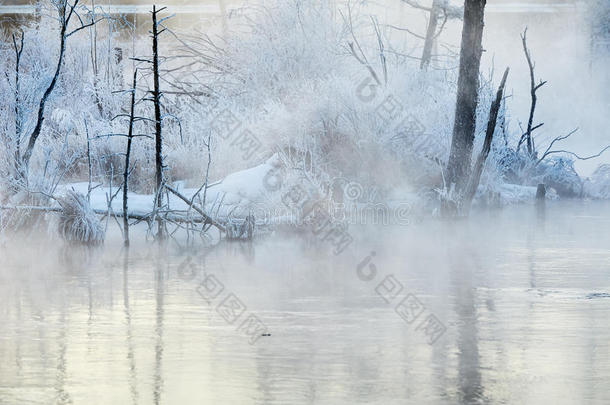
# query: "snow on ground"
239,192
515,194
252,191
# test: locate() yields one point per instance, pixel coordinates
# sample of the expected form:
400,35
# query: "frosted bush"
77,221
558,172
288,76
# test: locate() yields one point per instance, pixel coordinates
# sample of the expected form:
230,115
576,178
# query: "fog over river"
305,202
510,307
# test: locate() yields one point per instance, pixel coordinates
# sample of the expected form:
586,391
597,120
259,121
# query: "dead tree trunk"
458,165
475,178
527,136
127,158
156,95
18,115
438,9
430,36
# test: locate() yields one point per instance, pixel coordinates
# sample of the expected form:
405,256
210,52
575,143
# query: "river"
510,306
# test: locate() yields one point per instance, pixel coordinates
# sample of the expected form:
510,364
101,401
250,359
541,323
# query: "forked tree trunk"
528,136
458,166
475,178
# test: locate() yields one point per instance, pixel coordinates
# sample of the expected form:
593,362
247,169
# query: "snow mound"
256,190
244,187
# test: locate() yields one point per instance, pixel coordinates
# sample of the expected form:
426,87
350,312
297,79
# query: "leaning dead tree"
66,12
475,177
458,166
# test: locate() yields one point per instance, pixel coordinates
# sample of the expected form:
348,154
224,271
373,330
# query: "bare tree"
549,151
475,178
357,51
126,170
430,35
527,136
458,165
18,113
439,9
66,11
156,98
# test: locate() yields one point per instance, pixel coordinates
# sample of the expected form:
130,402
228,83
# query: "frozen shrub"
559,174
77,221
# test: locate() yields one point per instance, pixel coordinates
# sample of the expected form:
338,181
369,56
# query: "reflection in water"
18,355
133,379
159,291
62,396
541,213
525,308
469,375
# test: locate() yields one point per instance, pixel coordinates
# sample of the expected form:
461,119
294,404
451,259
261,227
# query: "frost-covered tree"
65,11
599,17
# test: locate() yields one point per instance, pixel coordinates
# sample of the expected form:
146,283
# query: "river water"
509,307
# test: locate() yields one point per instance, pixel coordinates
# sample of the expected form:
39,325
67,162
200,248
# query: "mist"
305,202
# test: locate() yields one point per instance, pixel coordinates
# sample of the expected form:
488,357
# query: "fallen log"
199,210
172,216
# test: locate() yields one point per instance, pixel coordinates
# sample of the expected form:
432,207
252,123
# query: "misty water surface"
525,302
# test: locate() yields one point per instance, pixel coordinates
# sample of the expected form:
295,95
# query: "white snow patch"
238,192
